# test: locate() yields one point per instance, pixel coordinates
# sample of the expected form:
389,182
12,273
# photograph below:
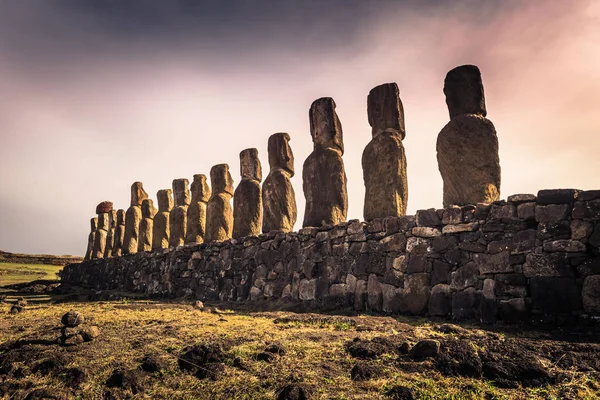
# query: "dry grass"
315,355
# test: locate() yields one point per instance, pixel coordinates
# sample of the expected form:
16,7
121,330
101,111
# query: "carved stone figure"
161,229
384,160
178,216
247,199
196,213
146,225
279,199
323,175
467,147
219,215
133,218
119,234
110,238
101,234
91,238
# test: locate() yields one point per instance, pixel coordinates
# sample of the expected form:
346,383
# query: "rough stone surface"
279,199
463,88
467,154
138,194
146,225
591,294
178,215
503,267
196,212
161,225
119,240
91,238
133,217
247,199
219,214
384,159
104,207
323,174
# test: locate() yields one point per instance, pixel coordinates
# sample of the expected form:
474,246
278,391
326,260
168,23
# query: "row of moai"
467,153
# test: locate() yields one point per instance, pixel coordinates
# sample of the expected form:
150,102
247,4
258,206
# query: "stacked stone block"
529,258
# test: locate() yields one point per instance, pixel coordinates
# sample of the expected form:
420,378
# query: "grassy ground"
316,355
18,273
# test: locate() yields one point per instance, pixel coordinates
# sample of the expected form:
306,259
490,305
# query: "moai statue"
196,213
133,218
247,199
91,238
219,215
146,225
110,239
178,216
383,160
119,234
323,175
467,147
161,229
279,199
101,235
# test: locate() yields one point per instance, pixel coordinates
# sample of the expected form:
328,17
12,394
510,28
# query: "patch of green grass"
11,273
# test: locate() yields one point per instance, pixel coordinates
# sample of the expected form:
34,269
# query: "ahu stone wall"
530,258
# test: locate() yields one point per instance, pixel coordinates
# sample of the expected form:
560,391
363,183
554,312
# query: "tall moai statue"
279,199
323,175
146,225
384,160
119,234
178,216
104,211
161,229
110,238
133,218
467,147
196,213
219,215
91,238
247,199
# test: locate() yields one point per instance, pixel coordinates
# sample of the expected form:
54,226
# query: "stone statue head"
325,126
148,209
104,207
120,217
94,224
221,179
165,200
200,189
138,194
280,152
385,110
463,88
181,192
250,167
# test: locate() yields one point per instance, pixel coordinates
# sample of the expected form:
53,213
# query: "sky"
98,94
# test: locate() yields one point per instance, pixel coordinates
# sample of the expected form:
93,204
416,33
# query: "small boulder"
73,340
399,392
90,333
123,379
424,349
72,319
275,348
265,356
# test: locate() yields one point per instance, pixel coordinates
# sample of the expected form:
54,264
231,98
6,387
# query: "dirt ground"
183,350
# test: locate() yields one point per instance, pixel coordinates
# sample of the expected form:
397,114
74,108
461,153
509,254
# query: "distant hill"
49,259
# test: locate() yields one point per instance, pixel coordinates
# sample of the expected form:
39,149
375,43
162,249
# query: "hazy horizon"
99,94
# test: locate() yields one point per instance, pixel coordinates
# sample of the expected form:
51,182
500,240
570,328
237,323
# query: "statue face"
250,164
221,179
325,126
280,153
